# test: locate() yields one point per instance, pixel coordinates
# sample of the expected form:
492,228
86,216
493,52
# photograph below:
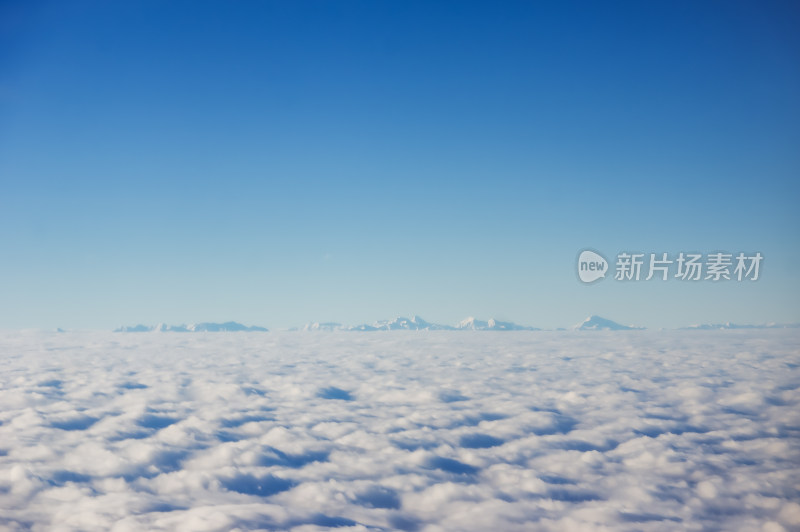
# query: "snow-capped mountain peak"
401,323
597,323
228,326
472,324
325,326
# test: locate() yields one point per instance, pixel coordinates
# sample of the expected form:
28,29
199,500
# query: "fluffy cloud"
644,430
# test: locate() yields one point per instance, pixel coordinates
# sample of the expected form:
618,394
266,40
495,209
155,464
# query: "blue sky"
284,162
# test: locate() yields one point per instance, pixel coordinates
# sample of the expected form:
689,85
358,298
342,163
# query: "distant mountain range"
228,326
401,324
471,324
729,325
398,324
596,323
418,324
592,323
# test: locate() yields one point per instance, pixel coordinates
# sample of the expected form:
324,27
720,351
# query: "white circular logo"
591,266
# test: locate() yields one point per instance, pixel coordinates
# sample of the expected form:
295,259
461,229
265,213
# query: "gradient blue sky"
283,162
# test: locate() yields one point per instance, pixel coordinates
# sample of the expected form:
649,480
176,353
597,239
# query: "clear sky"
283,162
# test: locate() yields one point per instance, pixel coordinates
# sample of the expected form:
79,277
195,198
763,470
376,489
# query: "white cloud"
547,430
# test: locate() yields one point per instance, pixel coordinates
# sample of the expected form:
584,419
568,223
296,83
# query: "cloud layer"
643,430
